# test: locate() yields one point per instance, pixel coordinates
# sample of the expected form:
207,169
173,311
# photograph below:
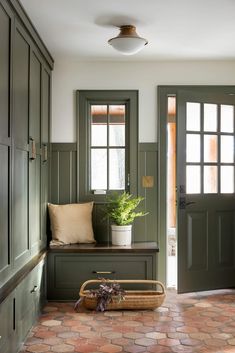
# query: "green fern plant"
120,208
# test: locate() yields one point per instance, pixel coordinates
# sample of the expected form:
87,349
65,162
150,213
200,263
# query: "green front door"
205,190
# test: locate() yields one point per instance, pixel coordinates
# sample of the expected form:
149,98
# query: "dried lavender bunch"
105,294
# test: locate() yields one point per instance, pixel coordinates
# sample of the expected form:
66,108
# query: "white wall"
68,76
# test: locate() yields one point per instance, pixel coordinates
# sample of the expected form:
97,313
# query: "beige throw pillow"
71,224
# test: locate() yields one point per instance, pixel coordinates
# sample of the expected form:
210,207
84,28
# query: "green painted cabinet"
24,140
29,296
6,18
20,309
7,325
67,271
45,148
35,151
24,169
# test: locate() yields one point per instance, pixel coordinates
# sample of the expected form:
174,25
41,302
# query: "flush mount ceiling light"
128,42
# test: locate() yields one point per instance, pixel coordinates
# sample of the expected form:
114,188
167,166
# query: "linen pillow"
71,223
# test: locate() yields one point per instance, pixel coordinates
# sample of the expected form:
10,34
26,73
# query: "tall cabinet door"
5,140
35,153
45,152
21,57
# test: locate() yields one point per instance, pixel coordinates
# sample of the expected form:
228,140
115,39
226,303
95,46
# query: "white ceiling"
176,30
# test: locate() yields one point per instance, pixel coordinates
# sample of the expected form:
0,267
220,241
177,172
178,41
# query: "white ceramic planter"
121,235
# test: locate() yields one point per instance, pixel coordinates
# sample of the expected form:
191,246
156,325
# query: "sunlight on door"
171,194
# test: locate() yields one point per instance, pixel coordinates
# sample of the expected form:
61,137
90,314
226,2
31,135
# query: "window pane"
227,149
99,125
210,117
227,179
210,148
117,125
117,169
193,148
210,180
193,179
193,116
99,169
227,118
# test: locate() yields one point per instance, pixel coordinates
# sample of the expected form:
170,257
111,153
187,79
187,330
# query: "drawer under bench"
67,270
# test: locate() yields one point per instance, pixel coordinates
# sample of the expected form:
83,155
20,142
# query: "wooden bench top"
107,248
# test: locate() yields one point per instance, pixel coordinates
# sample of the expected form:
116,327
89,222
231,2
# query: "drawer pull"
104,272
35,289
33,152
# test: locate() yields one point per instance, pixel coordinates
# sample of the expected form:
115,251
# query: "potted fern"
120,209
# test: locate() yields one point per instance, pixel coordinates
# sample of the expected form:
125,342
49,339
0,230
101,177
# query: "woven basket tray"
134,299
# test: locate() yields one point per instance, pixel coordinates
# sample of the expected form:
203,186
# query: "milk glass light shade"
128,42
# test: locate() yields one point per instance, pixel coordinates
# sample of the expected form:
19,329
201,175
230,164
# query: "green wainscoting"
146,227
64,173
64,189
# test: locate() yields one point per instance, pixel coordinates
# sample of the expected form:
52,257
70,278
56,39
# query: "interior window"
107,148
108,142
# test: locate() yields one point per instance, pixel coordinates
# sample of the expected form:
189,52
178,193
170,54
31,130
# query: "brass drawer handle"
33,152
104,272
44,153
35,289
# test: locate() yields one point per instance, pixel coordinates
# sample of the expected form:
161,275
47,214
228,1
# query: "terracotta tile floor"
196,322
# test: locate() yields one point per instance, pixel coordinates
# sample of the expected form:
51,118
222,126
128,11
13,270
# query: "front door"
205,190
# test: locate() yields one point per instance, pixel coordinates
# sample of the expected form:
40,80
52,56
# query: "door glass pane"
193,148
227,149
117,169
227,179
99,169
193,116
99,125
210,180
210,117
193,179
210,148
227,118
117,125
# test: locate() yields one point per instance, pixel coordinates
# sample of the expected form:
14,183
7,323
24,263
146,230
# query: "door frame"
162,93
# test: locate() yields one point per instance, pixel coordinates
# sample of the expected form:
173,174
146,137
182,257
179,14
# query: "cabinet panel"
28,301
45,105
35,99
4,207
5,60
21,71
20,208
7,325
35,164
34,205
66,273
45,153
21,89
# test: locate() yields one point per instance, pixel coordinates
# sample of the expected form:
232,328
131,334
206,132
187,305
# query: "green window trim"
84,100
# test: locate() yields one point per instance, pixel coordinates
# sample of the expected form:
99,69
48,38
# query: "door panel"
5,45
4,207
35,161
20,208
197,240
225,238
6,18
21,71
21,90
205,184
45,153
